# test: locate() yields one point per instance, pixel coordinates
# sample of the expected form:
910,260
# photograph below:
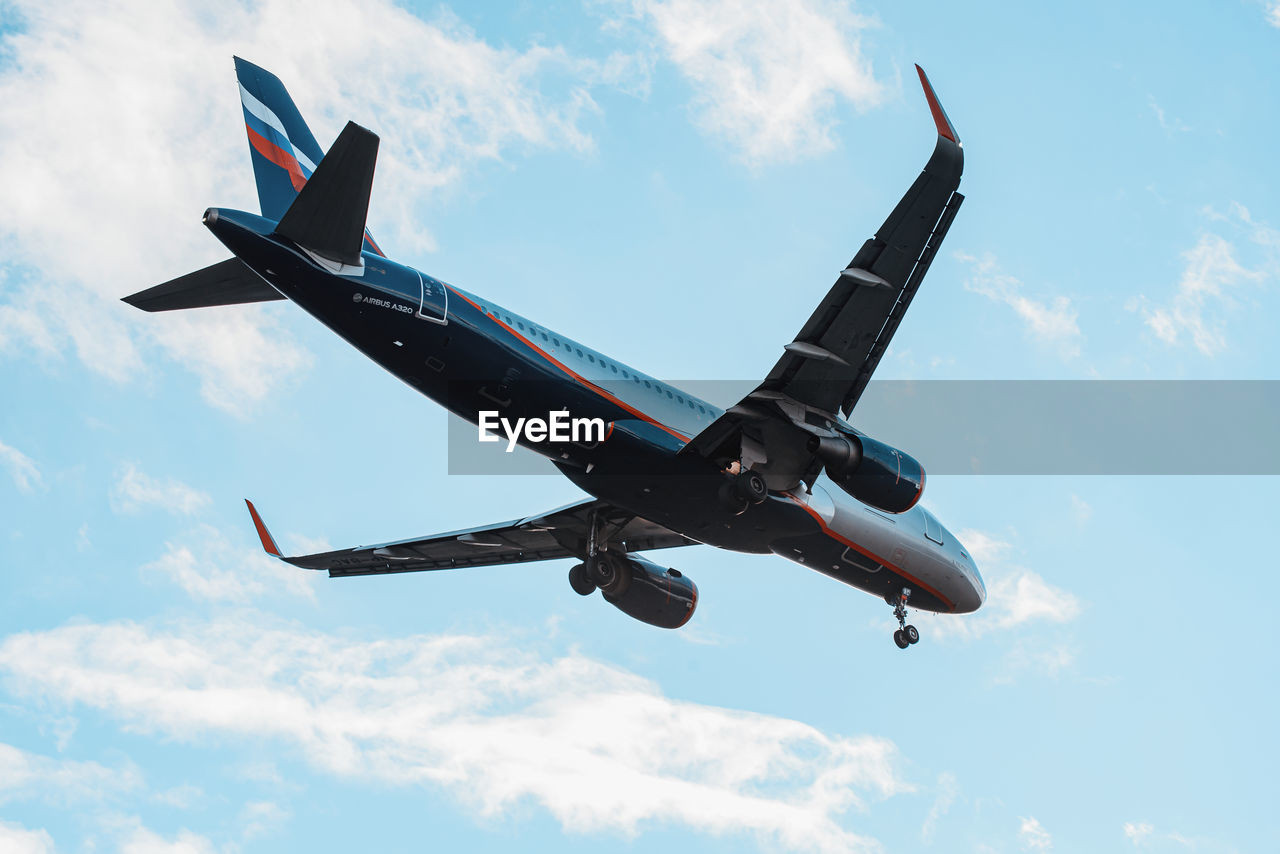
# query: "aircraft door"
433,304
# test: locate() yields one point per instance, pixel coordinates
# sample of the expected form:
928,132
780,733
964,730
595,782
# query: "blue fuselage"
471,355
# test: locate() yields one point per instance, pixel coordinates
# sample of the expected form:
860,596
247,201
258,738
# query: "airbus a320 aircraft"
781,471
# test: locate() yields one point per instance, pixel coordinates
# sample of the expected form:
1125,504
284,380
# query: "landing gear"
578,580
906,635
597,570
743,489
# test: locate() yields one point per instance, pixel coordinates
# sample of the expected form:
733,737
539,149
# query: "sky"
675,184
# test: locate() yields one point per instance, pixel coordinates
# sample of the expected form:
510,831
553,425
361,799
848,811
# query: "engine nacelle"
654,595
871,471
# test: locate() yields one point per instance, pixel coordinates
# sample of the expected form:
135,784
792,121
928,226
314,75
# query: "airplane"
781,472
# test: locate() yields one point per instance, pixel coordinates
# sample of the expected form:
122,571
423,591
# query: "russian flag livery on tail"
780,472
283,149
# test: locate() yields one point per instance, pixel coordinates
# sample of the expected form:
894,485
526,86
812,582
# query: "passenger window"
578,351
591,358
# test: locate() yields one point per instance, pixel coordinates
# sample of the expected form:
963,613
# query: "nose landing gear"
906,635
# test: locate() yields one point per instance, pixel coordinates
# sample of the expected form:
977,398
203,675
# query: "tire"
912,634
578,580
900,640
731,501
751,486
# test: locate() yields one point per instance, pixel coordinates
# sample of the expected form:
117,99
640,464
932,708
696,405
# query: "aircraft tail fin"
285,153
228,282
283,149
329,213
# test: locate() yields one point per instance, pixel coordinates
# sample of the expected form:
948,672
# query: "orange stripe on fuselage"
857,548
578,378
573,374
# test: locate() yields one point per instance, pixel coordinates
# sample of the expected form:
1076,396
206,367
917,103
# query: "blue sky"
674,184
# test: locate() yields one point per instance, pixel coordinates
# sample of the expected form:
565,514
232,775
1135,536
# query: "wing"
823,372
557,534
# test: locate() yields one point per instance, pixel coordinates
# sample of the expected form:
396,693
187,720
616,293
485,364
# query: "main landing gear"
595,571
742,489
906,635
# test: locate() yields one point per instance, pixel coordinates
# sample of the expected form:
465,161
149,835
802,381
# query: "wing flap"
561,533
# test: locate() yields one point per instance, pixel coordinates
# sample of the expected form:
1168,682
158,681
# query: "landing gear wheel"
578,580
730,499
599,572
751,486
906,635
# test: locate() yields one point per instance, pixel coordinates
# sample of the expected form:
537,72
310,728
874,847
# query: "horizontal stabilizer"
229,282
329,214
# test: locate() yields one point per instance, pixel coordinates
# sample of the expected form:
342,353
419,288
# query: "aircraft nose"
972,593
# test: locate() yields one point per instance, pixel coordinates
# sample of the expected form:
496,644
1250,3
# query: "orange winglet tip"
945,128
268,544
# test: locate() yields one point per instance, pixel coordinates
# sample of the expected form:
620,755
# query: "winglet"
945,128
268,544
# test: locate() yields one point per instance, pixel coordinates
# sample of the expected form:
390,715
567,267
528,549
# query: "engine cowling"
871,471
650,593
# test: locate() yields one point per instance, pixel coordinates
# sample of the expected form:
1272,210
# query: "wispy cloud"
482,717
1016,596
25,775
947,792
16,839
135,490
102,200
25,474
1273,13
767,76
143,840
1168,124
209,568
1137,832
1207,292
1202,296
1051,321
1032,835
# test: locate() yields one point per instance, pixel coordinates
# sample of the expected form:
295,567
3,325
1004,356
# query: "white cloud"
767,76
30,775
1137,832
135,491
1203,293
1016,596
1033,836
482,717
1273,13
1168,124
26,477
145,841
947,791
260,818
141,129
1051,322
209,567
16,839
1081,509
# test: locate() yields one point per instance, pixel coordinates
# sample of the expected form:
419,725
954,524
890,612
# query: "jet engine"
639,588
871,471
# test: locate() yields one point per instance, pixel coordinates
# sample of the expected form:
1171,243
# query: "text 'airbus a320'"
781,471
